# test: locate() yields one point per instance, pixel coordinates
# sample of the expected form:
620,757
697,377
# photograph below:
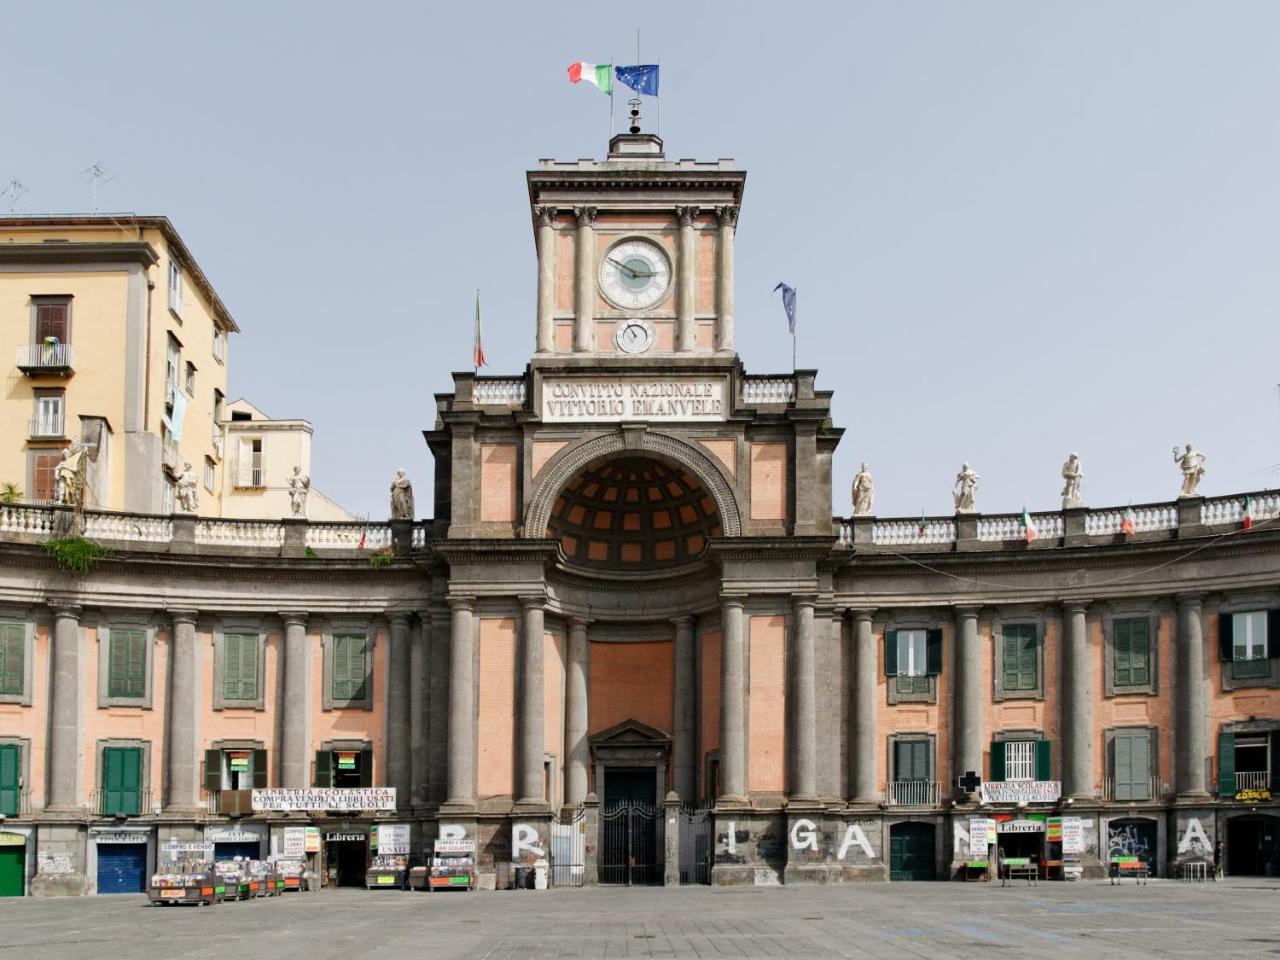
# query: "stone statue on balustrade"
299,485
966,490
1191,462
68,485
864,490
187,484
401,497
1073,475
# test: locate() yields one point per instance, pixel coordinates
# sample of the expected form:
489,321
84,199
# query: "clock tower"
635,253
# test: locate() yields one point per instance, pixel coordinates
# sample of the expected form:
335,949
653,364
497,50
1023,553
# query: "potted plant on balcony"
49,351
10,493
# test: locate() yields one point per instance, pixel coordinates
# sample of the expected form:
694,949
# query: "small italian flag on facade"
923,528
1028,528
599,74
1246,521
1127,526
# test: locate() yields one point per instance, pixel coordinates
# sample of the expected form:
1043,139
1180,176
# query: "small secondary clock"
634,336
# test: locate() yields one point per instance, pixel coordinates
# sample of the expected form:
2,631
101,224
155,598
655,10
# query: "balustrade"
239,533
499,392
768,389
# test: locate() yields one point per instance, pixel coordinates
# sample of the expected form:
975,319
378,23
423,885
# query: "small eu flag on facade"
642,78
788,304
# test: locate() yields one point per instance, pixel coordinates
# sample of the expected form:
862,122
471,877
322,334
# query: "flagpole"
475,358
611,98
657,104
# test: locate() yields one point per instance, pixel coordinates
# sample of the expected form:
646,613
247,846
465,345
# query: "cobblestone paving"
1236,918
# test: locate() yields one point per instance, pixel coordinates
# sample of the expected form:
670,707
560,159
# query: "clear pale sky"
1017,229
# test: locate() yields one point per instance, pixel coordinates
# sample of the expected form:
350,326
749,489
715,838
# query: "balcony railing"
1152,791
912,793
47,427
234,803
1252,780
757,390
127,805
23,808
37,358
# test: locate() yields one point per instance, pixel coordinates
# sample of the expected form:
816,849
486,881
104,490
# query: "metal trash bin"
522,878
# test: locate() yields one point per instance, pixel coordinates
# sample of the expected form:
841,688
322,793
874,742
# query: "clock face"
634,336
635,275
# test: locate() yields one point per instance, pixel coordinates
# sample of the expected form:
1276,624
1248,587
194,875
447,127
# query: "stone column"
462,705
440,628
733,703
687,289
295,727
1077,703
399,742
862,752
418,706
805,781
724,286
685,766
546,278
969,696
185,703
63,759
1190,727
584,334
531,714
577,747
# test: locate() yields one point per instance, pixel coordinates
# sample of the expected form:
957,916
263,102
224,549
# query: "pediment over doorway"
630,733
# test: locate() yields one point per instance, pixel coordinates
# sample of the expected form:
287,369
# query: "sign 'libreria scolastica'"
325,798
611,399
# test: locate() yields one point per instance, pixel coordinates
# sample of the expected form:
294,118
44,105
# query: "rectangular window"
126,664
235,769
1020,662
10,779
219,345
1131,764
49,419
350,653
911,760
911,662
1131,643
240,666
208,474
13,668
1249,635
172,362
190,383
121,781
251,466
1020,760
218,399
175,288
52,321
43,467
912,653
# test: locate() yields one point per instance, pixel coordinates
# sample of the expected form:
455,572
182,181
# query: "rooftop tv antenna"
96,172
14,192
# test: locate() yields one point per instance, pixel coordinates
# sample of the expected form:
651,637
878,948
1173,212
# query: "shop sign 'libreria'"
325,798
577,400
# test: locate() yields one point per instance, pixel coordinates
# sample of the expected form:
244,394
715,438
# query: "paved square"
1237,918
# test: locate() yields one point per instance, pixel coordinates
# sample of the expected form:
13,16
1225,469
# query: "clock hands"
620,264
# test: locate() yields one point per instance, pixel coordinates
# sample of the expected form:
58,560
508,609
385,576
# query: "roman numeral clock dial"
635,275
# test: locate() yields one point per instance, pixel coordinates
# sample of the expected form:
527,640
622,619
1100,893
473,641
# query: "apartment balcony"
47,359
1252,780
20,808
47,428
116,804
229,803
1138,793
912,793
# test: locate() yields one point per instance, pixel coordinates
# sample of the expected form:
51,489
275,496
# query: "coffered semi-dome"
633,511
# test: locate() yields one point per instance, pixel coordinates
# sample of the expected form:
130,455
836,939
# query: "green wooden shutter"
1044,767
1140,779
933,652
324,768
231,666
366,768
1226,764
901,760
1226,640
891,653
1121,642
1009,658
1122,765
1140,652
10,779
259,769
360,667
248,667
13,650
112,766
137,683
1028,660
117,664
997,761
131,782
213,770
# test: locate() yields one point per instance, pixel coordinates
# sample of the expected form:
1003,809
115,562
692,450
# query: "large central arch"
573,459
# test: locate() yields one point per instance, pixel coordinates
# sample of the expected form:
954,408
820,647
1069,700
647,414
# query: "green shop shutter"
891,653
1044,767
997,761
1226,764
12,651
10,779
933,652
1273,638
1226,645
213,770
324,768
259,769
366,768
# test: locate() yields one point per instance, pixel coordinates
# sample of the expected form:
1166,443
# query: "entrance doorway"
346,859
12,870
1253,846
628,784
629,824
122,868
912,853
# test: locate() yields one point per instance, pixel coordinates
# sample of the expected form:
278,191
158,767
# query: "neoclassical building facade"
633,641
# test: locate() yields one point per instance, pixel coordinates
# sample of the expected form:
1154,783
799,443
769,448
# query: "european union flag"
642,78
788,304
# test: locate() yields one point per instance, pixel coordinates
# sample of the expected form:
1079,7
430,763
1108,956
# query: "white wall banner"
187,851
294,846
325,798
393,839
978,836
124,837
611,399
1072,835
1020,791
223,835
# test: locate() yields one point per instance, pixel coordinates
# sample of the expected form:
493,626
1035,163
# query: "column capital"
728,215
687,215
182,615
738,600
968,610
545,215
1190,601
581,622
531,601
297,618
863,614
66,608
464,603
684,620
1076,606
400,617
804,600
586,216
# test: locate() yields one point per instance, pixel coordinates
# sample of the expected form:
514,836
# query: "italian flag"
1028,528
1246,521
600,74
477,352
923,528
1127,526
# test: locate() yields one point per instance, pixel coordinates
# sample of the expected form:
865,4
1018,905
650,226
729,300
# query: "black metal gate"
695,844
629,853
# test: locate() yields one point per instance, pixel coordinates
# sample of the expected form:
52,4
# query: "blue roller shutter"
122,868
